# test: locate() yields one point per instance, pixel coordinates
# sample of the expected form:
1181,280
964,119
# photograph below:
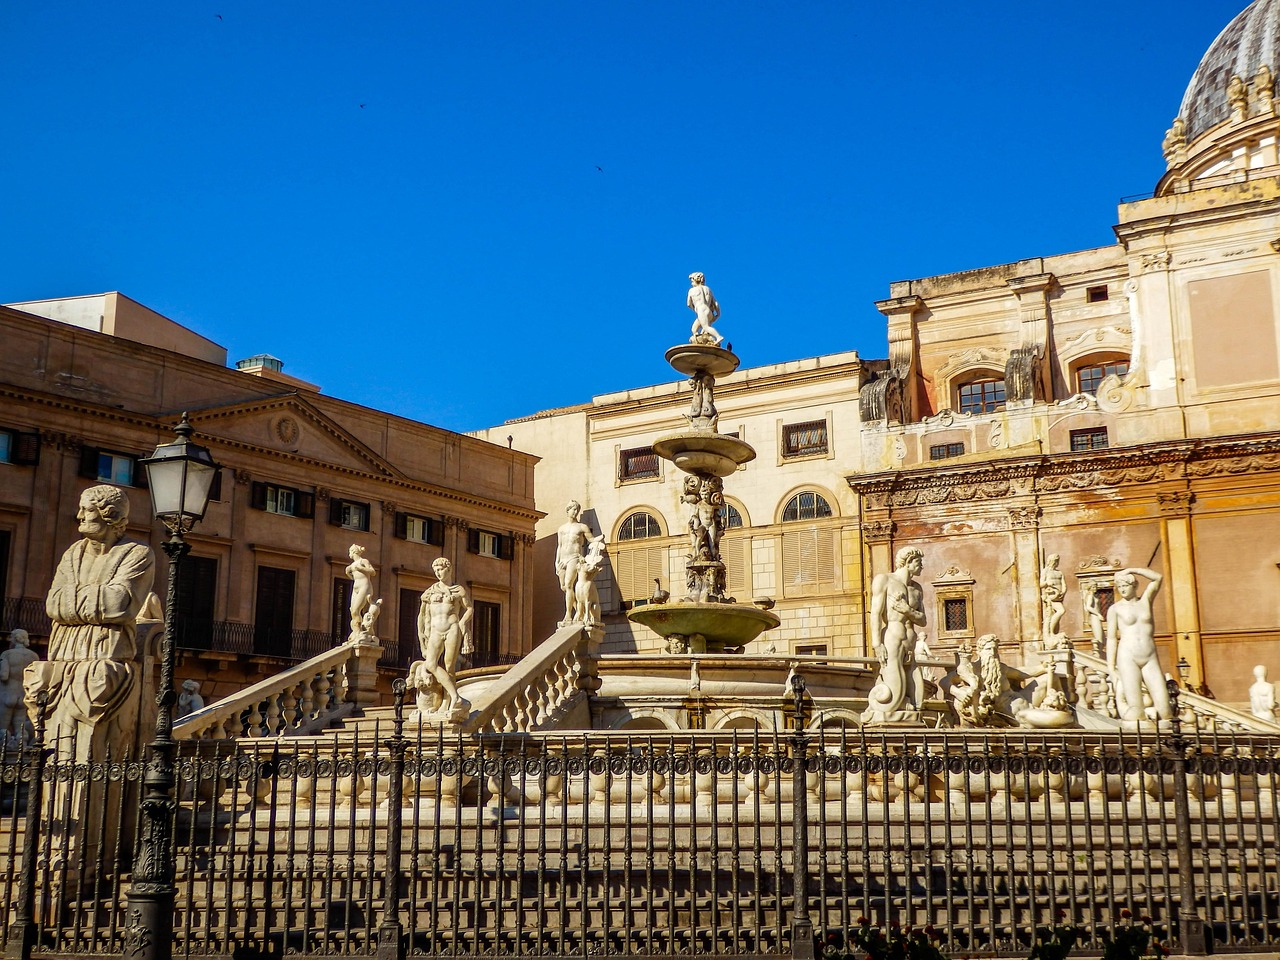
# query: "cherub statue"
189,700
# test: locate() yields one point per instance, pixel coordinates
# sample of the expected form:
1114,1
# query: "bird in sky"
218,15
600,168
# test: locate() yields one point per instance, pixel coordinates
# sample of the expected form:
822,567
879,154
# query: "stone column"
1178,547
455,539
1024,531
877,538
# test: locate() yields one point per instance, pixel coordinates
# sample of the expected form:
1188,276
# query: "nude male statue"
571,545
1053,589
1262,695
1131,645
897,608
15,727
443,631
703,304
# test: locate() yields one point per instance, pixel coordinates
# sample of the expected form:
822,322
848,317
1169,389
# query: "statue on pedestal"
443,634
706,311
1131,647
189,700
92,675
572,540
897,609
1262,695
15,726
361,572
586,605
1053,590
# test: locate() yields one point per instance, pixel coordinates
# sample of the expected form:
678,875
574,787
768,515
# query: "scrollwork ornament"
137,938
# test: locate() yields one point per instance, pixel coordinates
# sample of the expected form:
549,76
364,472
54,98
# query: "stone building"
792,530
85,395
1117,407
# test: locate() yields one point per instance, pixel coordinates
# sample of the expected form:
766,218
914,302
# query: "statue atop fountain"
706,619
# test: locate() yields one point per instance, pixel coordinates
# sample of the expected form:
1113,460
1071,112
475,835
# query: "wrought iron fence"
26,613
653,844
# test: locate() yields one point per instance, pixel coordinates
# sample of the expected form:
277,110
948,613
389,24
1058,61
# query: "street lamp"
180,475
1184,670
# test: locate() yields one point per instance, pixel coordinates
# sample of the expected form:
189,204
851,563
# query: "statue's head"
441,568
104,512
356,551
907,557
1054,560
19,638
988,644
1126,585
697,278
574,509
1260,672
190,686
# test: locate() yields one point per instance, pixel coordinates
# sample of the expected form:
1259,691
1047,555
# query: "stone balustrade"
308,697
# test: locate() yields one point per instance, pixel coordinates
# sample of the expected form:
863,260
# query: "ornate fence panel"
653,844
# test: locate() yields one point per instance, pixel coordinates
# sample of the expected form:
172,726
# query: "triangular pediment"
292,426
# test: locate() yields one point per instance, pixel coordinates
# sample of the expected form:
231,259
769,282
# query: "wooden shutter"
89,462
304,504
402,525
635,567
733,551
506,547
808,558
435,532
26,449
140,478
215,489
335,511
258,495
473,540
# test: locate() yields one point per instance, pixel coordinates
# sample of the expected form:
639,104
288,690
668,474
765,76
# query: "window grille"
639,526
639,463
1094,438
804,439
806,506
955,614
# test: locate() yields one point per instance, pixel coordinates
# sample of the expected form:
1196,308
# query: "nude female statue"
361,572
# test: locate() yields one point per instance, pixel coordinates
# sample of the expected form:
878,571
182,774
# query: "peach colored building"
304,476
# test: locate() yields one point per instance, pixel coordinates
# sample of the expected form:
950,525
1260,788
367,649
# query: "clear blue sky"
466,212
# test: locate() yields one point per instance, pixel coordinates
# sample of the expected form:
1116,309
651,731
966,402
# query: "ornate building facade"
304,476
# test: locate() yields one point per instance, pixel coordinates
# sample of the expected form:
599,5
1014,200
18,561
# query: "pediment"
290,426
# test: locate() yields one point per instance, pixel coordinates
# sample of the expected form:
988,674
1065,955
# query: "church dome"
1249,42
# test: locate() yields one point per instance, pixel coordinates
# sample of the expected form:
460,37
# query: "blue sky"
466,212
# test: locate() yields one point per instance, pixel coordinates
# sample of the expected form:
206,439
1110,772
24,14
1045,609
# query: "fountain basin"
691,358
702,452
722,624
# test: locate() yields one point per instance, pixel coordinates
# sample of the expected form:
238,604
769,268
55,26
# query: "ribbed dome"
1249,41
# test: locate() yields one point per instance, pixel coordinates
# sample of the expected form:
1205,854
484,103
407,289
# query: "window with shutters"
486,633
639,463
109,466
19,448
285,501
808,559
487,543
807,439
349,514
635,567
737,572
410,526
340,614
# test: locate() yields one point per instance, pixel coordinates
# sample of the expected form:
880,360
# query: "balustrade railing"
25,613
303,699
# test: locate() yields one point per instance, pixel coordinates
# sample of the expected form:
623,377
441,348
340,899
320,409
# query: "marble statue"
443,632
1262,695
1131,646
986,692
15,726
586,598
695,677
92,676
705,497
1053,590
369,622
1093,610
572,540
189,700
361,572
897,609
706,311
703,407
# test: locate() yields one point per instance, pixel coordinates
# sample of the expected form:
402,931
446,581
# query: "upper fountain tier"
700,449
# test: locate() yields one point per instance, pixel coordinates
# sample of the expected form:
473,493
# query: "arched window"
639,526
732,518
1090,376
980,396
806,506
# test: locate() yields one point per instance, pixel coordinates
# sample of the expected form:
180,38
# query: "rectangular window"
340,614
955,614
486,543
486,633
106,466
1095,438
419,529
349,514
273,612
804,439
942,451
810,649
1088,379
982,396
1096,294
285,501
6,446
19,447
639,463
197,591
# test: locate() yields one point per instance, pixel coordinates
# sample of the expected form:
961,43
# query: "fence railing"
25,613
660,844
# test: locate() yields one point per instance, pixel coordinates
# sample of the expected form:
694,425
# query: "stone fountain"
706,619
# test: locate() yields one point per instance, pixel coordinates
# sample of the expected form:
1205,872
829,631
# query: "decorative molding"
456,522
61,441
1080,401
946,418
242,476
286,430
1024,518
878,531
1097,562
1175,502
954,576
322,493
1155,261
389,508
1233,466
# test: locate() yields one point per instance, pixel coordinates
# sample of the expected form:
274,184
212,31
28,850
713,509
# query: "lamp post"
180,474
